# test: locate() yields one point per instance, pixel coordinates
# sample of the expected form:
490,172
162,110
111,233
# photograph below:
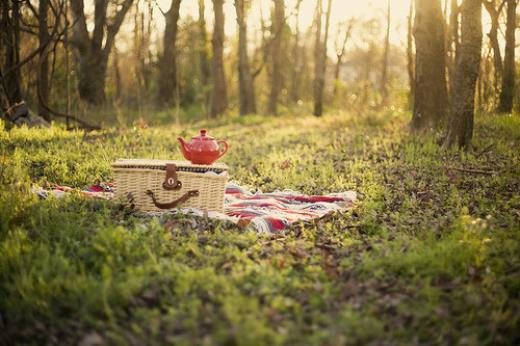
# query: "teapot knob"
203,132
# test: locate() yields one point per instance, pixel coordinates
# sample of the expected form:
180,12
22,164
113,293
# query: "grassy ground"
429,255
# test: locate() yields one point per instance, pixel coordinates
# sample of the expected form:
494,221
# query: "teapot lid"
203,136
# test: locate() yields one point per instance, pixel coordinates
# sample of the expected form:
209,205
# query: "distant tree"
494,10
296,71
276,55
508,78
410,57
168,84
430,76
384,70
142,50
219,101
245,78
203,45
43,63
453,39
10,47
340,51
321,59
460,126
94,49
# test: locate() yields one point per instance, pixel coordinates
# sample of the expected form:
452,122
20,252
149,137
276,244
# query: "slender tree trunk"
43,63
203,42
430,76
245,79
318,100
460,127
219,96
384,71
117,73
494,14
317,55
410,56
276,56
294,93
11,41
453,41
508,78
168,62
339,58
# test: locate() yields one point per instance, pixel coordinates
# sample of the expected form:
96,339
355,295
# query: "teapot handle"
224,149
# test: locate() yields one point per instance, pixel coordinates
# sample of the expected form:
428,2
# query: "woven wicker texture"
132,178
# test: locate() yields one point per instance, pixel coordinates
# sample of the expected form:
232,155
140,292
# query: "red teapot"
203,149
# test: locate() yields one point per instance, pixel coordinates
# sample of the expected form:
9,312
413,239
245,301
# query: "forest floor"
430,254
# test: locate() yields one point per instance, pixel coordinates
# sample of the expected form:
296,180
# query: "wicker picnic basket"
158,185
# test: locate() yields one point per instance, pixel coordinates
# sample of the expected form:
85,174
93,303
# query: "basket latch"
171,181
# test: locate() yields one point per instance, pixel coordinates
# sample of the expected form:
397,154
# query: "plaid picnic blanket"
266,212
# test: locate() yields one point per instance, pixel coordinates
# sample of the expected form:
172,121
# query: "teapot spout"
184,148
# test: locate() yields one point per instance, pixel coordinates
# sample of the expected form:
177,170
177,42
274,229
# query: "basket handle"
171,181
173,204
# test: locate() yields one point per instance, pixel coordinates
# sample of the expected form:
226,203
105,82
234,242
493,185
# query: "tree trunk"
245,79
11,41
384,71
294,93
339,57
318,100
453,41
317,55
508,78
117,74
168,61
410,56
92,72
203,49
219,96
94,49
494,14
43,63
430,76
276,56
460,127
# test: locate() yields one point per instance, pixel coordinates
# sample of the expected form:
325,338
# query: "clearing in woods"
429,254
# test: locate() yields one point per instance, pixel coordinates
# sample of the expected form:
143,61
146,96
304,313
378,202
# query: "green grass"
429,254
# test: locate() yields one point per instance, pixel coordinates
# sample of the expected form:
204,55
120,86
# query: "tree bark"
508,78
245,79
317,55
95,49
494,14
117,73
10,35
430,76
276,56
203,48
410,56
43,63
219,101
460,126
384,70
168,62
453,39
320,78
294,93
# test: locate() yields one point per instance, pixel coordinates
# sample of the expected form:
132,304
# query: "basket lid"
161,165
